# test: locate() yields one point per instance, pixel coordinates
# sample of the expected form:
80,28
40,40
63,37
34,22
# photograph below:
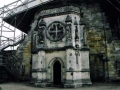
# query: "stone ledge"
85,70
79,81
38,70
86,82
65,9
74,85
82,70
40,84
84,49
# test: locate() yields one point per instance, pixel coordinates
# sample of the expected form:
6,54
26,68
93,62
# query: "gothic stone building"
69,44
61,56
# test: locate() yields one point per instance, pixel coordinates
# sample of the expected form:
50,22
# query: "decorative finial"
42,23
68,19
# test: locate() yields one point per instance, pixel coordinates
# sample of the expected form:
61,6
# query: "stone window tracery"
56,31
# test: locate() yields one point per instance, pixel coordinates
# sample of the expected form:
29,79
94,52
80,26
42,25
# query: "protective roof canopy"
25,16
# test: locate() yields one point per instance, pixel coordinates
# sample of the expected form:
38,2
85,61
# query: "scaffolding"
9,10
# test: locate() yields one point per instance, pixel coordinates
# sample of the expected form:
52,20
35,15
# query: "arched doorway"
57,73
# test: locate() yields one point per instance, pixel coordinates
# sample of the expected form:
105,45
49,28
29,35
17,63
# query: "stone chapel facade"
60,56
69,45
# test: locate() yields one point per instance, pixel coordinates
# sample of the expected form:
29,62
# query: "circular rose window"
56,31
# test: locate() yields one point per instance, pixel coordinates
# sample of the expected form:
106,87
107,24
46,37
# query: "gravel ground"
26,86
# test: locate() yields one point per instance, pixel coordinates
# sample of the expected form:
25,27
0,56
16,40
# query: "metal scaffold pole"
5,11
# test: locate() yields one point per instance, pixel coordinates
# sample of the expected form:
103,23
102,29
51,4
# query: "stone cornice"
60,10
83,70
58,49
38,70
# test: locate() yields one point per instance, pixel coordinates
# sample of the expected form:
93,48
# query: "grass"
0,88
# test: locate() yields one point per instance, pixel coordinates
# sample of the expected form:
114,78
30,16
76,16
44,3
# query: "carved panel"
76,34
68,30
41,34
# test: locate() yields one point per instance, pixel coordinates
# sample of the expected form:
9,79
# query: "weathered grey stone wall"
24,56
114,57
97,29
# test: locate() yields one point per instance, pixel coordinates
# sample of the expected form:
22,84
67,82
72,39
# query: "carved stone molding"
41,34
66,9
68,30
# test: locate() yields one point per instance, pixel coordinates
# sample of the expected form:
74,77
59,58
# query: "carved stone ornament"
41,23
76,30
68,19
77,55
56,31
41,33
68,30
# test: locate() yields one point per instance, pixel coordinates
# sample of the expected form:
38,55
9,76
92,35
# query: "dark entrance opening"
97,68
57,73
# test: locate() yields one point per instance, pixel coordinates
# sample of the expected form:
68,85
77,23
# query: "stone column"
70,68
84,60
85,67
41,70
